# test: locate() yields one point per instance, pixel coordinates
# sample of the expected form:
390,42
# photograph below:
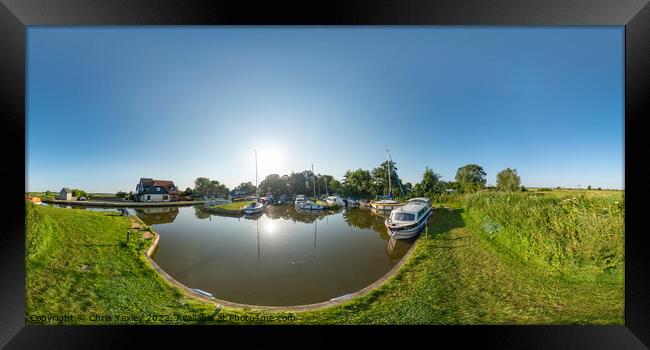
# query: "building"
65,194
150,190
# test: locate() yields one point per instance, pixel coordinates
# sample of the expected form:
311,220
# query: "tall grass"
571,232
40,232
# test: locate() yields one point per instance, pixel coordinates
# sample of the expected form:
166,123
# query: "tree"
211,188
273,184
201,185
334,186
430,185
357,183
121,194
380,179
589,187
470,178
188,192
508,180
298,183
245,188
79,193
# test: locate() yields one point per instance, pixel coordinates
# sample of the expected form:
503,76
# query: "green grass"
566,233
83,266
456,275
234,206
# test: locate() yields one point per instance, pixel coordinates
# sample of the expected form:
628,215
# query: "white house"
65,194
150,190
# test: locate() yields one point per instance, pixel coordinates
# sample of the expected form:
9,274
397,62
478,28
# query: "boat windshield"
403,216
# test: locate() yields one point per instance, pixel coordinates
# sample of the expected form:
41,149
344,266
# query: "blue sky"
106,105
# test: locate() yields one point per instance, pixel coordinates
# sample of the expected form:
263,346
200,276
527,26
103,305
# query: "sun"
272,159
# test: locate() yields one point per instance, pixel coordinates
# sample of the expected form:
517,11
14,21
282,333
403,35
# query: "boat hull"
249,210
380,206
409,231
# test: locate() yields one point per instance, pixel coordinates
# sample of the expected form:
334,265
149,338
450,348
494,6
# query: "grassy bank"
455,276
567,233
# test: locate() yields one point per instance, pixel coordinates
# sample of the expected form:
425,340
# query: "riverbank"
122,204
78,263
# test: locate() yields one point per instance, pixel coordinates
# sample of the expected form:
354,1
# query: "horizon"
108,106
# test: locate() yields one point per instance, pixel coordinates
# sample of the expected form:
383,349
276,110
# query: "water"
281,257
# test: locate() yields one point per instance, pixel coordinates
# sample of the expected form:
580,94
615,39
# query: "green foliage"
211,188
273,184
245,188
79,193
121,194
508,180
357,183
430,186
188,192
380,179
562,232
544,189
470,178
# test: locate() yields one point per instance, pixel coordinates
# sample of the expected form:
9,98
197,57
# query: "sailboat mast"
313,182
388,170
257,192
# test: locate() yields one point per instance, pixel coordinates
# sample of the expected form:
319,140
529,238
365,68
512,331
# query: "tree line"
362,183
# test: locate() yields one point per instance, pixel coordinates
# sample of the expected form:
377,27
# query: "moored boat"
254,208
309,205
408,220
385,204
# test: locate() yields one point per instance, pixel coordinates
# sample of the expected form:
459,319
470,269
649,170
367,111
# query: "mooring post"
128,236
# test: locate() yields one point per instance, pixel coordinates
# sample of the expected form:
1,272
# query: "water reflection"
157,215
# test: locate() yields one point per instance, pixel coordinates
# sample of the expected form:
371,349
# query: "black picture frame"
16,15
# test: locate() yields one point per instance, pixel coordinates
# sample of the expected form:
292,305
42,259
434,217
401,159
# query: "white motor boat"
408,220
335,200
300,199
254,208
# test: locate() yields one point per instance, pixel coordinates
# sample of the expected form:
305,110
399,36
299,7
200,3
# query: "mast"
257,193
388,170
313,182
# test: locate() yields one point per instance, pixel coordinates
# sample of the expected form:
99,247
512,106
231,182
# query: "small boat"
332,200
309,205
385,204
202,292
351,202
254,208
408,220
300,199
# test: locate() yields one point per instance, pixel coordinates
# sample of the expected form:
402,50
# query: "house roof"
166,184
65,189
